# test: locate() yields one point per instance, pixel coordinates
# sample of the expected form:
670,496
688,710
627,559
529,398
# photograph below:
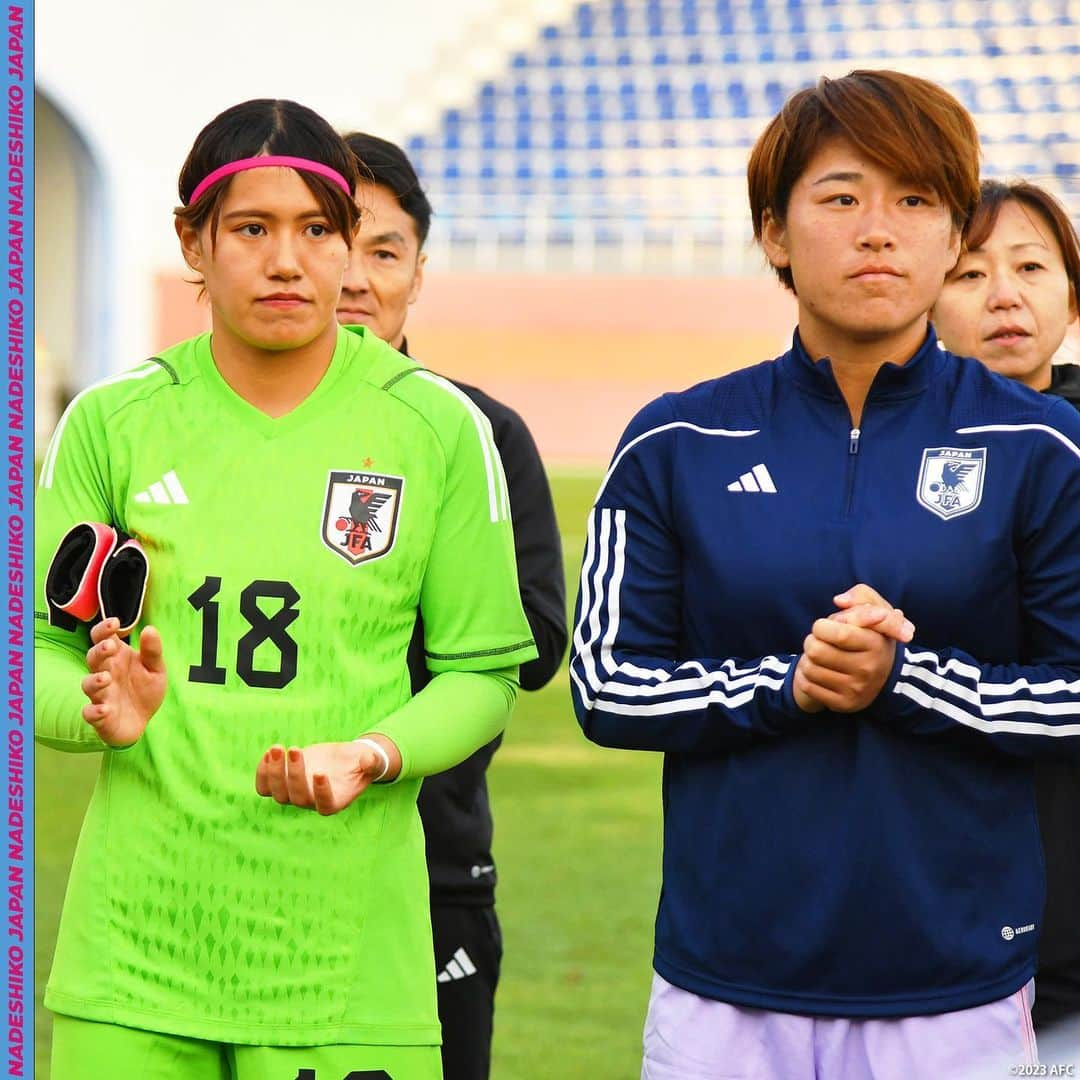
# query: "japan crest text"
360,515
951,480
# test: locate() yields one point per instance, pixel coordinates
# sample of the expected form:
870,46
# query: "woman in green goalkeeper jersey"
302,491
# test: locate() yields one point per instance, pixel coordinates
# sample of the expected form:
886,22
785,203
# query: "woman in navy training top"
841,591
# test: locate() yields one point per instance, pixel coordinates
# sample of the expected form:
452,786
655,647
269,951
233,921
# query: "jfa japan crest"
951,480
361,514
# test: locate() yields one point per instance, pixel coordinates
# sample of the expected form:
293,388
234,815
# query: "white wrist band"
381,752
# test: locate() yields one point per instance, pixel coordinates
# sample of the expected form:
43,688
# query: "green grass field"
577,839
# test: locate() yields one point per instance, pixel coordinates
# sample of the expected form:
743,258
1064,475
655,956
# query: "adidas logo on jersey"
459,966
757,479
168,491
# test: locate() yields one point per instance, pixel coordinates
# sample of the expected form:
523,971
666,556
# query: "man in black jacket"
384,278
1057,795
1008,302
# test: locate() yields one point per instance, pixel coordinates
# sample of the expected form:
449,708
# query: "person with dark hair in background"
1009,302
214,925
383,279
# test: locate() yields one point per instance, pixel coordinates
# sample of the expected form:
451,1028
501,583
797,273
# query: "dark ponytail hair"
268,126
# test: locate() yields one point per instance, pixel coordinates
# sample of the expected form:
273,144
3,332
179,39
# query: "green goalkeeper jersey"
289,558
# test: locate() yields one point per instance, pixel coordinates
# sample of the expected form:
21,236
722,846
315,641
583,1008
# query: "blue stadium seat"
584,20
616,89
737,99
701,100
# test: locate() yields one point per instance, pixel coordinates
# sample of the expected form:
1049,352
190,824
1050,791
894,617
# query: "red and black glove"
97,570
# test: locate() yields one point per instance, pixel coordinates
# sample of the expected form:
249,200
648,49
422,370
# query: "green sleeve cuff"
59,700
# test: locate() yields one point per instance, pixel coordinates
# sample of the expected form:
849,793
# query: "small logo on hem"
1009,932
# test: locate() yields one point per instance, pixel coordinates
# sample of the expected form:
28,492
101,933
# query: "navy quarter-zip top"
881,863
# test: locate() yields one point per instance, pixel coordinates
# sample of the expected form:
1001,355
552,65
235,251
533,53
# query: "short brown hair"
993,194
907,125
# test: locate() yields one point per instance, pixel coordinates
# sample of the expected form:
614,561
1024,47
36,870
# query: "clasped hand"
848,656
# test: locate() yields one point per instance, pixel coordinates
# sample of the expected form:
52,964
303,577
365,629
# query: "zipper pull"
853,441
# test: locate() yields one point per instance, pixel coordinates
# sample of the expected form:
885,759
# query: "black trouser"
468,949
1056,1005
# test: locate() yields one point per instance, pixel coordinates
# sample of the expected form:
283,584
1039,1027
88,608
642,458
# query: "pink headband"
266,161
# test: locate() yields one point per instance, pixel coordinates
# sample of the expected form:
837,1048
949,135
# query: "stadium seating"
620,137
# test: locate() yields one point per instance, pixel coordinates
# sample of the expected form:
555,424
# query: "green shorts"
86,1050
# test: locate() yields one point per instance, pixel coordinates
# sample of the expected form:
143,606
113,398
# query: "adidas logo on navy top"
459,966
168,491
757,479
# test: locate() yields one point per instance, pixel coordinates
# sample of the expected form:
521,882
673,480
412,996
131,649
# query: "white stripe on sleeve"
498,499
959,691
1063,439
627,688
48,466
668,427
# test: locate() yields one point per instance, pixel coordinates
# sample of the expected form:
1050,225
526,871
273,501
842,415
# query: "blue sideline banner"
18,233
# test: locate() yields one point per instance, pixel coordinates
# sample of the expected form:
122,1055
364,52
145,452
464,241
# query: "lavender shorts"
694,1038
